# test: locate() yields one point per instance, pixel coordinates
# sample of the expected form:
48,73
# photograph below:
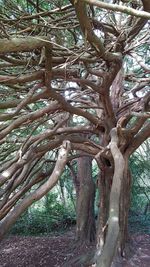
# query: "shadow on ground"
55,251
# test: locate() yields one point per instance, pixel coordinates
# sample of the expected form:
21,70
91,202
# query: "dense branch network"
68,72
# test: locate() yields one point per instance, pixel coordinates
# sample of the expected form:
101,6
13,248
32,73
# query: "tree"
61,61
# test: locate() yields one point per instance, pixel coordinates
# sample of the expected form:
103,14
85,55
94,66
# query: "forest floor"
58,250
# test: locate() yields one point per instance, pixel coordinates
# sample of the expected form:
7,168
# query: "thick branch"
139,139
28,118
23,44
139,24
123,9
105,259
39,193
89,34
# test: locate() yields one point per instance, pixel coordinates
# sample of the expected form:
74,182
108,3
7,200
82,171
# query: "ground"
58,250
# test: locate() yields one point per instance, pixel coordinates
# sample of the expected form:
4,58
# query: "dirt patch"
55,251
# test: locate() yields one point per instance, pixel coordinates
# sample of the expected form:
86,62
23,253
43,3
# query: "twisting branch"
40,192
23,44
106,257
123,9
90,36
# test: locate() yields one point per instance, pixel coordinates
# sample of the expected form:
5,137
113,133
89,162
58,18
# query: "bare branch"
40,192
123,9
23,44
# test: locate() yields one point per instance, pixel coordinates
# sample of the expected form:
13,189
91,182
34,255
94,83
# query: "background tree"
61,61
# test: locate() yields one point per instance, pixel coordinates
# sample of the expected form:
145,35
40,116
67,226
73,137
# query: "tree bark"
104,185
85,230
124,207
23,44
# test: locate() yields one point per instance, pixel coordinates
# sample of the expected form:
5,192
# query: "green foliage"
140,195
44,217
139,223
140,168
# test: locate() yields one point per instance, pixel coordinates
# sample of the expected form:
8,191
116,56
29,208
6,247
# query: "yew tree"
63,62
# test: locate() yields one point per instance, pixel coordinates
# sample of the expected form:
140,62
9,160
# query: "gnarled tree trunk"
106,255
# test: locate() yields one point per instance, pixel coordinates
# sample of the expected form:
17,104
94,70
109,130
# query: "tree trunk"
86,229
114,208
105,257
124,206
104,185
